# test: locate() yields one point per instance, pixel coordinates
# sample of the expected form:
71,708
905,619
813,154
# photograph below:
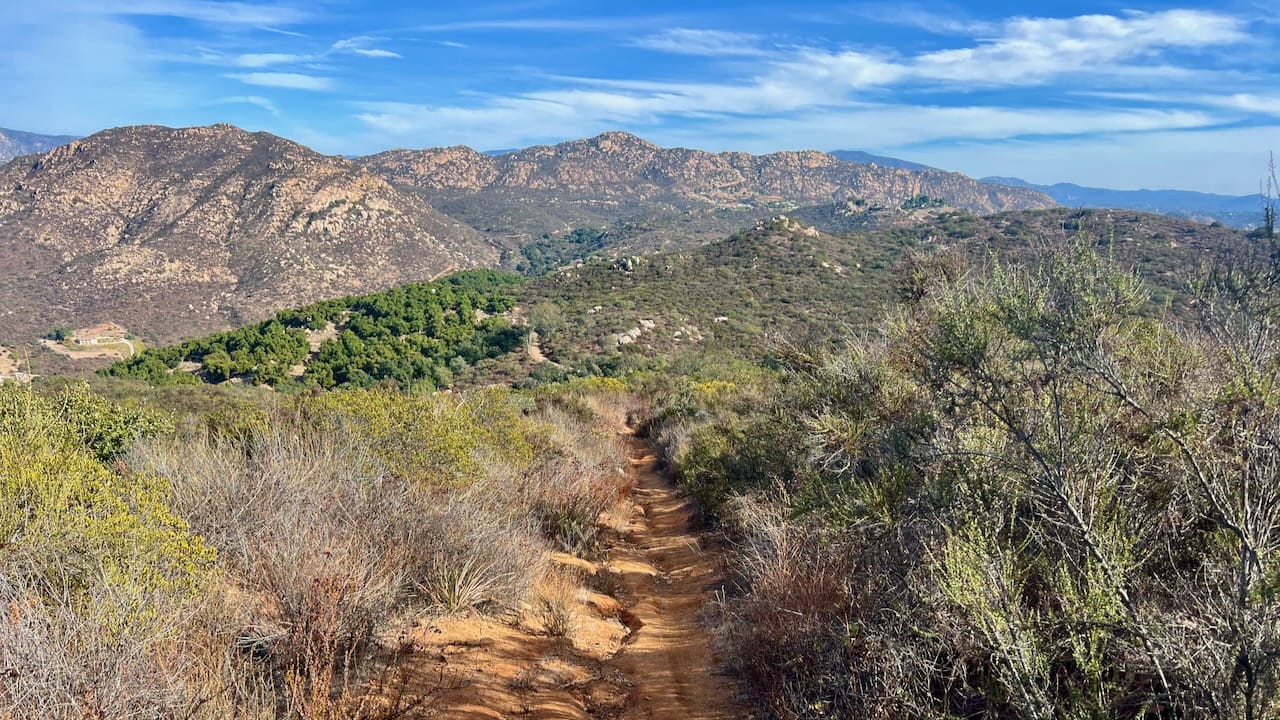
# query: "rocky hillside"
178,232
621,166
783,276
15,143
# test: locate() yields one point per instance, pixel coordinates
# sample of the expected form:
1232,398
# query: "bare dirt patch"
104,340
11,368
635,649
315,338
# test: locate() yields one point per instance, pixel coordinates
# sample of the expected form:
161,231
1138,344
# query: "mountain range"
1235,210
652,198
175,233
15,143
179,232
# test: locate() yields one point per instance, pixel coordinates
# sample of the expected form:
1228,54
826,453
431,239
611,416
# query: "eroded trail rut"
668,577
660,666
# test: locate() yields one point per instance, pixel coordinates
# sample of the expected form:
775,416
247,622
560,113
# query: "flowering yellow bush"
69,520
443,440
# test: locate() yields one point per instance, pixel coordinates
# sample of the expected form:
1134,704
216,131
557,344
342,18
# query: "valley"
222,228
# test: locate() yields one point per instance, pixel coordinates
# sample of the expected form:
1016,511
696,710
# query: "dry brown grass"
554,602
324,557
327,550
324,551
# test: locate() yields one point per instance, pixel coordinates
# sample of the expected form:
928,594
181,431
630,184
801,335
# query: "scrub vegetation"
974,469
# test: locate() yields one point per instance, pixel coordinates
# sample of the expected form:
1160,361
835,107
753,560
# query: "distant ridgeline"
412,334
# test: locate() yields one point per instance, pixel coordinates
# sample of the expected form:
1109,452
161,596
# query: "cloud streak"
287,80
1022,51
710,43
256,100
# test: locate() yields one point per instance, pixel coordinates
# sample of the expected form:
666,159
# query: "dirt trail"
668,579
646,656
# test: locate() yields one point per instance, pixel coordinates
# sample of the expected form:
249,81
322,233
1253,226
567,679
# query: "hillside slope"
178,232
784,277
732,296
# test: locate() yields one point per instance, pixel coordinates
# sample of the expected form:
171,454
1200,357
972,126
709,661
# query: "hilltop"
179,232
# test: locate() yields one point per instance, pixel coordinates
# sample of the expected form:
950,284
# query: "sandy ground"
636,649
535,349
668,579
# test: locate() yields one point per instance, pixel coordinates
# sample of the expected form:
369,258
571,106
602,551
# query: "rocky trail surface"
638,649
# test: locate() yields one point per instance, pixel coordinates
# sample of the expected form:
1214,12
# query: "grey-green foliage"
1049,506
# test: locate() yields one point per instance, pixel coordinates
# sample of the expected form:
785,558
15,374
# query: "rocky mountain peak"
219,224
618,166
617,141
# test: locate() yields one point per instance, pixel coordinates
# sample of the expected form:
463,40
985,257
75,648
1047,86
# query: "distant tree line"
550,252
417,336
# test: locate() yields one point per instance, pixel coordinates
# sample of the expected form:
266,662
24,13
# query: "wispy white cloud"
360,45
207,11
1029,50
534,25
903,125
948,21
260,60
711,43
1248,102
376,53
292,81
280,31
536,116
257,100
505,121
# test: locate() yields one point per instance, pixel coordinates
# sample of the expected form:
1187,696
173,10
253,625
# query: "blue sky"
1118,95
